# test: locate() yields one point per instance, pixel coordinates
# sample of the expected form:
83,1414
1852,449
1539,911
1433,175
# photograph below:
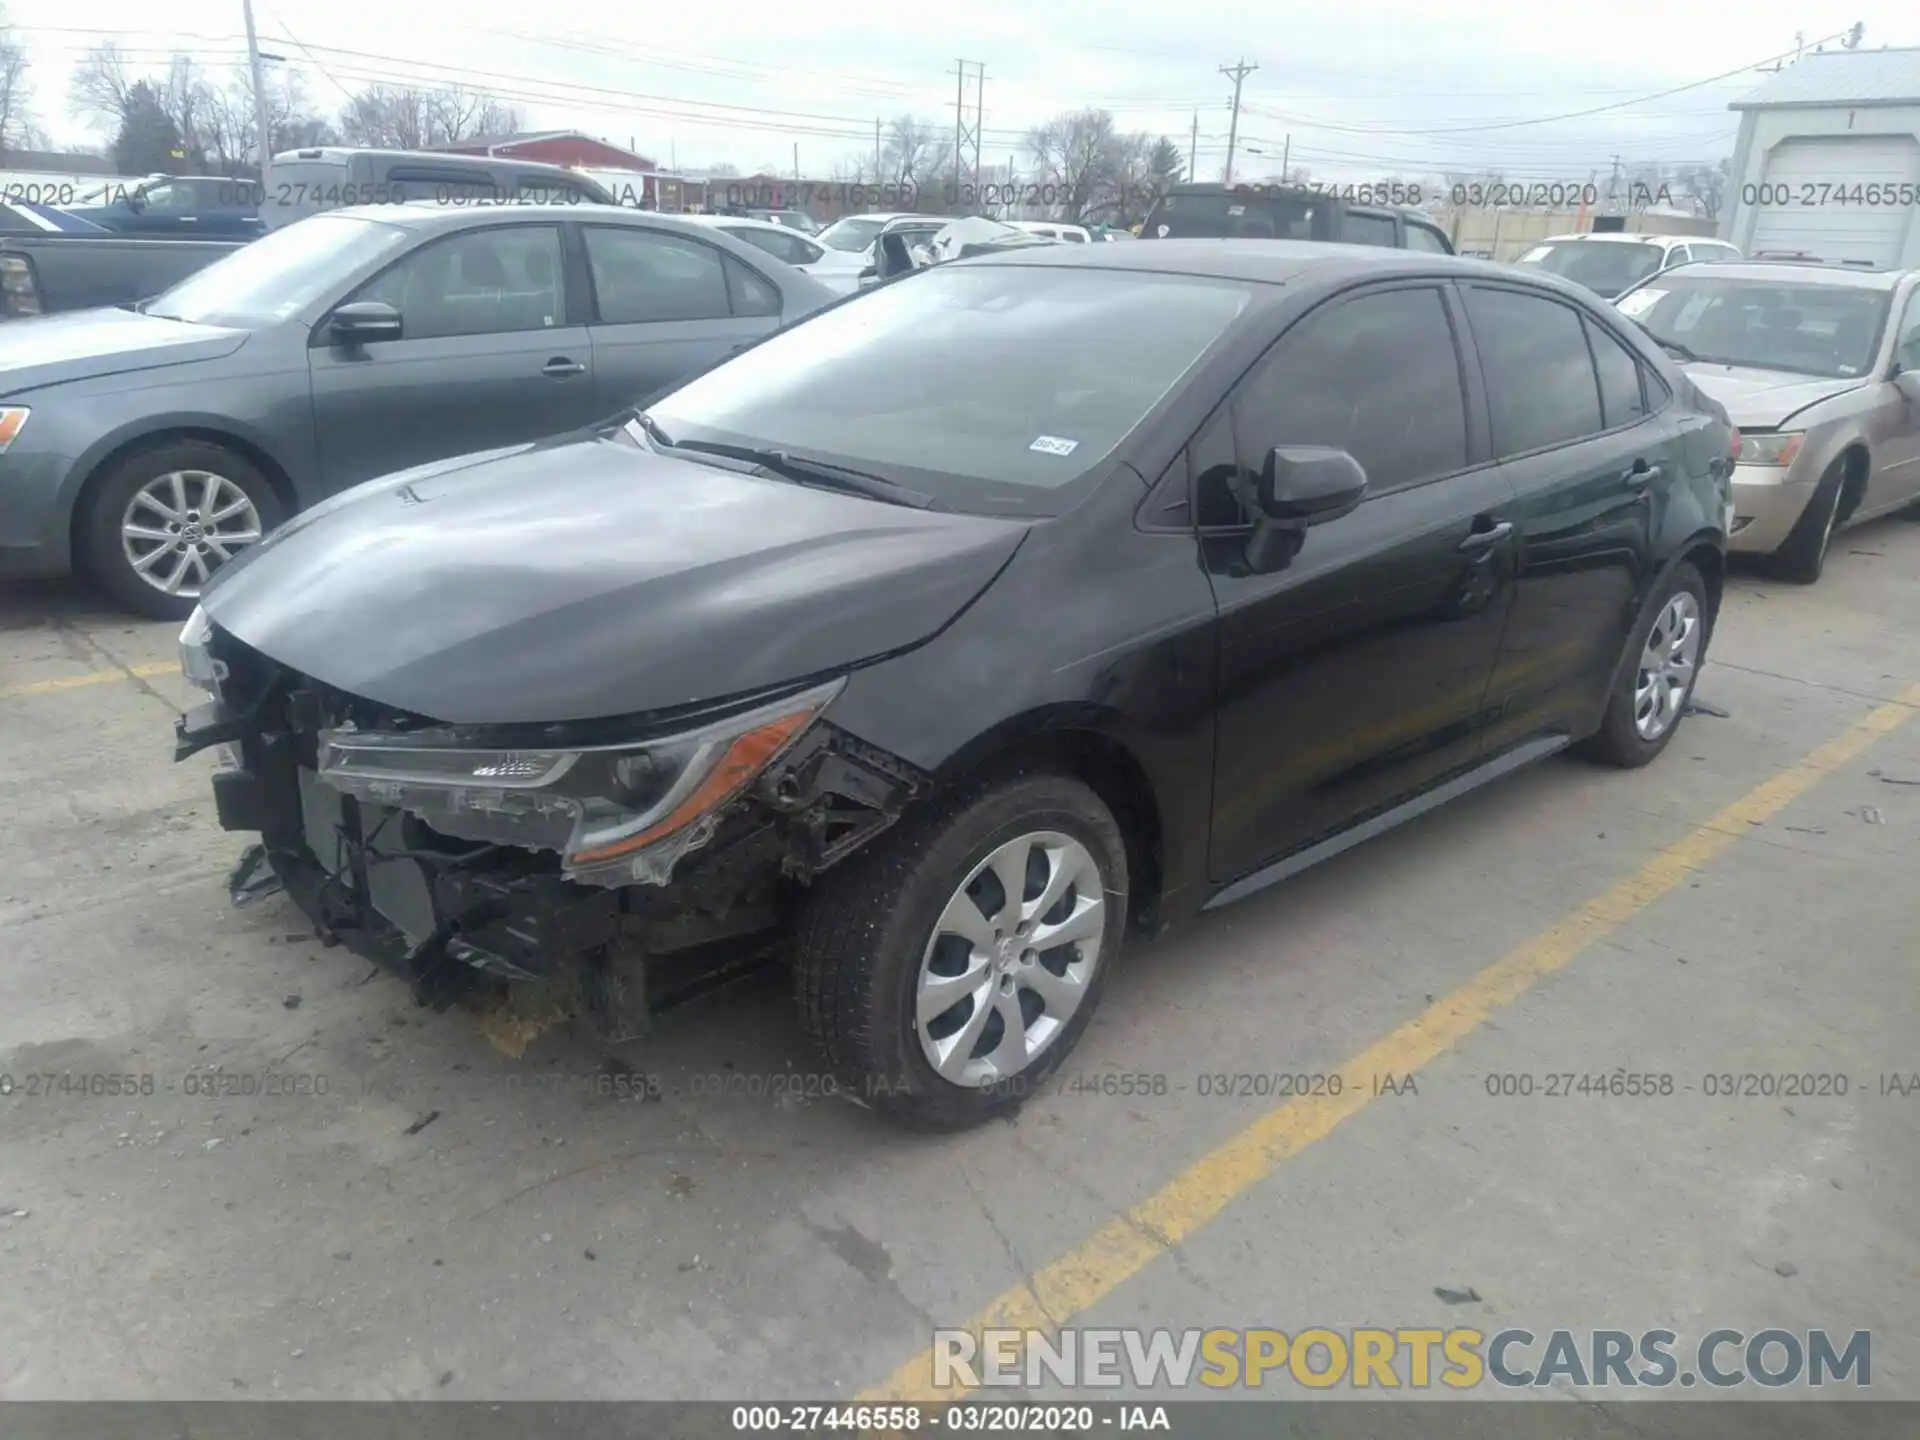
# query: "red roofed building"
553,147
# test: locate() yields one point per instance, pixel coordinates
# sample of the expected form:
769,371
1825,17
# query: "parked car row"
920,641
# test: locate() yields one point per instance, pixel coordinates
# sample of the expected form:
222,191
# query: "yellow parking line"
95,677
1127,1244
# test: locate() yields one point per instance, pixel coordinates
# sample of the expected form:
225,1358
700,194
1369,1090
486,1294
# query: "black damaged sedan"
938,642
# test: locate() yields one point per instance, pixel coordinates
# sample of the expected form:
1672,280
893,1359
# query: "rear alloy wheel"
1802,556
1652,689
166,519
949,970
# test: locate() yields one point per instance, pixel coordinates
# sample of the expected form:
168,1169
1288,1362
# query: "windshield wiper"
1672,347
800,469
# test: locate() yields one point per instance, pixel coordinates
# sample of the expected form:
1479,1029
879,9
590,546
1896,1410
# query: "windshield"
1247,215
853,234
1002,377
279,274
1826,330
1605,267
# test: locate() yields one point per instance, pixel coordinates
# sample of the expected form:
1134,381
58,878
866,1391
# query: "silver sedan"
1819,367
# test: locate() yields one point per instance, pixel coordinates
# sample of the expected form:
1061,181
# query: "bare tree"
292,119
458,114
1706,185
101,86
408,118
1077,154
16,93
910,153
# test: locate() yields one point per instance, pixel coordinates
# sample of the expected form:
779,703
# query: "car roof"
1804,273
1629,237
749,221
883,215
1273,262
431,216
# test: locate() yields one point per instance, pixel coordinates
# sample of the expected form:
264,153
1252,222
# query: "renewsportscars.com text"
1392,1359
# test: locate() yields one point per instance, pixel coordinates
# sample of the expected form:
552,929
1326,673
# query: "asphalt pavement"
308,1188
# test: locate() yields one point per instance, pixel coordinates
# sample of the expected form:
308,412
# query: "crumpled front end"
570,856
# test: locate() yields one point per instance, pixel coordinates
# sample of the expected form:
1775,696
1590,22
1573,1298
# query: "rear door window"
1540,375
1425,237
643,276
1621,401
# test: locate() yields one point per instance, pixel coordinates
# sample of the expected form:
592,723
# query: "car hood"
90,344
1763,399
583,578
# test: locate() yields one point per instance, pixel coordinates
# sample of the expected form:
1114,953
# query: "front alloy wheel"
949,969
1011,959
182,526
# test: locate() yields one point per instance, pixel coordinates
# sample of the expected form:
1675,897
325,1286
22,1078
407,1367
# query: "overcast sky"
1364,88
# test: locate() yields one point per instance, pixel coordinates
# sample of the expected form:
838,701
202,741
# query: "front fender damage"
457,919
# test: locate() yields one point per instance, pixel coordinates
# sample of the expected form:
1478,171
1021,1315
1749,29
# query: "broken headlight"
616,814
196,661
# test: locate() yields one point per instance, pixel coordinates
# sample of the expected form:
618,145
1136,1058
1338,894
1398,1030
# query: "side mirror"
136,200
1303,485
869,274
1908,382
364,321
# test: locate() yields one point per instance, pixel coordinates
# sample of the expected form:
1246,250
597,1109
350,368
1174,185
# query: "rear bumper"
1766,507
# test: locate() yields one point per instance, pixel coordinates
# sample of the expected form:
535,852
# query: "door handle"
1486,539
560,367
1642,475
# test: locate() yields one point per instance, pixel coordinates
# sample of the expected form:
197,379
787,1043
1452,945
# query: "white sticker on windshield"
1639,301
1163,229
1054,445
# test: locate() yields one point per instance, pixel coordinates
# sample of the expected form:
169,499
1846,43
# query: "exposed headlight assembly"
196,661
616,814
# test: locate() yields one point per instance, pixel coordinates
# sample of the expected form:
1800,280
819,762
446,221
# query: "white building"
1828,160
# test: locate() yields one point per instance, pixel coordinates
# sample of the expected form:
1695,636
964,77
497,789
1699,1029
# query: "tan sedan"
1819,367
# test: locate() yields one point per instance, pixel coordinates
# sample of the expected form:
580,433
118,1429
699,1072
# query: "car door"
666,305
487,356
1353,674
165,209
1590,445
1896,459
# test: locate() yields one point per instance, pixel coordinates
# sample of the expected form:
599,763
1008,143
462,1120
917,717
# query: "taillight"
21,294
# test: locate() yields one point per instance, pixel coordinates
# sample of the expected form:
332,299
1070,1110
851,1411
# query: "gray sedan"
145,447
1819,367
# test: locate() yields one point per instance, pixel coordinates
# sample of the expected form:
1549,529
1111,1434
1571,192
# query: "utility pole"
979,123
1286,152
1193,149
796,160
1239,73
876,149
259,92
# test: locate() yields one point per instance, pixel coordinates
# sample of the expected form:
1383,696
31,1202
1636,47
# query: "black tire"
102,553
1618,742
1802,556
867,927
